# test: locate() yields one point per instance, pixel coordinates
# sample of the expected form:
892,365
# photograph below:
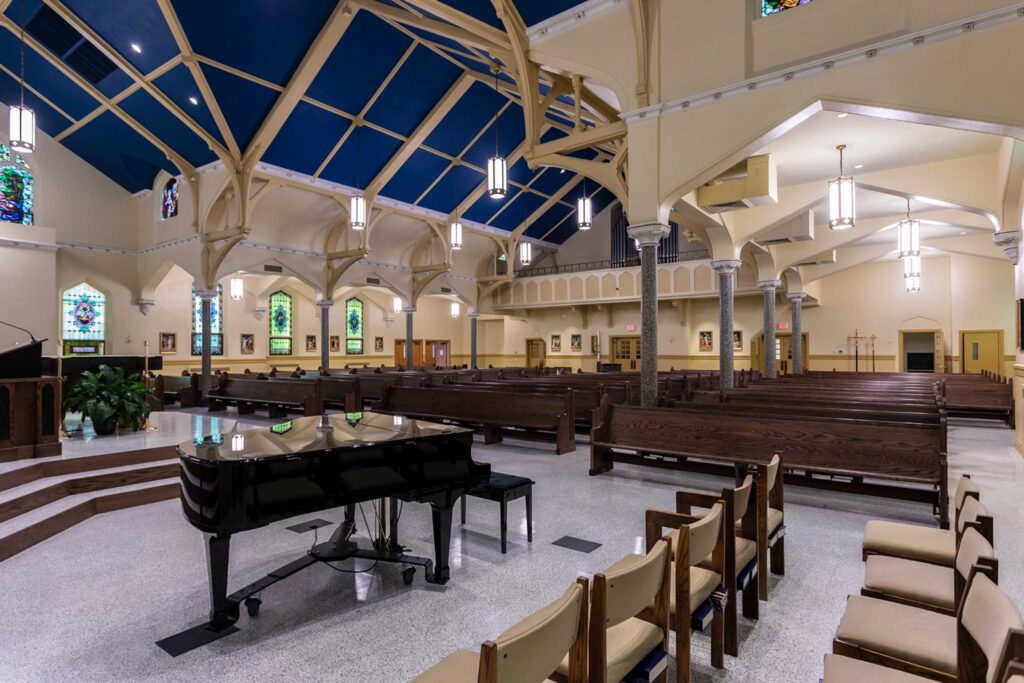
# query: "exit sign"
783,326
630,328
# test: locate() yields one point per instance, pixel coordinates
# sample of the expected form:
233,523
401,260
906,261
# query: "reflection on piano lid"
309,435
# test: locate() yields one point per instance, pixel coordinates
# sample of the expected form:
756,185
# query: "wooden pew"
169,389
585,398
156,399
549,415
906,456
277,396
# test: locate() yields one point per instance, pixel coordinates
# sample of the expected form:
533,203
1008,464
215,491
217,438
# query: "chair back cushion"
973,546
773,471
988,615
741,497
970,512
704,534
633,582
532,649
963,487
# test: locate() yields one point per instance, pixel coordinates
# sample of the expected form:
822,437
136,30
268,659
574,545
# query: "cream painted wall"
29,296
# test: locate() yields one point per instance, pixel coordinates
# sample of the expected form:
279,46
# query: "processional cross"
856,339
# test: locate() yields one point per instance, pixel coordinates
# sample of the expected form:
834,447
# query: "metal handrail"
609,264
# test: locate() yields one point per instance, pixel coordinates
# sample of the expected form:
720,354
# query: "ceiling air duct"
752,182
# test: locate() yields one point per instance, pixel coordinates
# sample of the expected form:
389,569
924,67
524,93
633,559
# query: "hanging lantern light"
841,211
455,235
455,309
357,212
584,210
913,283
237,292
23,120
525,253
396,304
910,236
497,170
912,267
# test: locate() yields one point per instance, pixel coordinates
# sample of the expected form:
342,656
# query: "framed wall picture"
378,344
335,343
576,343
595,344
311,342
707,341
556,343
248,345
168,342
737,340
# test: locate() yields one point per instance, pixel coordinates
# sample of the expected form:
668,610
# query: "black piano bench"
502,488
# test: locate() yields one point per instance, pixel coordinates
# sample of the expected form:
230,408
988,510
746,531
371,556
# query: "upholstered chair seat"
458,667
840,669
925,544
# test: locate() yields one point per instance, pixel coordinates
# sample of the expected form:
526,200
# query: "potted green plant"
110,399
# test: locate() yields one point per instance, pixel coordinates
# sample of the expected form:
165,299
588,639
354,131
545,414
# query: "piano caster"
407,575
252,605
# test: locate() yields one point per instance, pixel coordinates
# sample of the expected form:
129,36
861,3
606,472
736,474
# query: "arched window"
769,7
280,324
216,323
354,327
84,320
15,188
169,200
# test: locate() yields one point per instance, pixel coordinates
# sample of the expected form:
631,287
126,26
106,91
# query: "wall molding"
571,17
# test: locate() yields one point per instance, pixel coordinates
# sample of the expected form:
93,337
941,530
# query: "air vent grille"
446,290
726,206
373,280
272,269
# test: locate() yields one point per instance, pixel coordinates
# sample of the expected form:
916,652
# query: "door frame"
611,349
901,357
757,349
526,349
1000,352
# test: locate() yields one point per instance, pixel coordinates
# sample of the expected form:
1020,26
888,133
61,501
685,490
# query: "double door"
625,351
425,353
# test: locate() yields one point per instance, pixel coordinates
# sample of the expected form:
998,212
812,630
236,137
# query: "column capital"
1009,242
647,234
766,285
727,265
144,305
206,294
474,314
325,303
409,309
796,296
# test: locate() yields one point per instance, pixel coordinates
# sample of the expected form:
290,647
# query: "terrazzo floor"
88,604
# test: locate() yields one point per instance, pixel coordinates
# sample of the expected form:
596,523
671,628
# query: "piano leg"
222,612
442,519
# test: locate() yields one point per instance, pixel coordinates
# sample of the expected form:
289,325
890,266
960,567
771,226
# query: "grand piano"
234,482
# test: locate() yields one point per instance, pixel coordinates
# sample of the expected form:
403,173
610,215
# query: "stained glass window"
216,323
280,324
770,7
354,327
84,320
15,188
169,200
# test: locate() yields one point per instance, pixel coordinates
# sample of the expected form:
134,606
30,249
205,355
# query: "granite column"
647,236
325,333
472,338
409,310
796,346
769,287
726,285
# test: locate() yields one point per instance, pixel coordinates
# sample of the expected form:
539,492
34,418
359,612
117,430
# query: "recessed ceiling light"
137,48
561,170
193,100
859,166
963,232
842,116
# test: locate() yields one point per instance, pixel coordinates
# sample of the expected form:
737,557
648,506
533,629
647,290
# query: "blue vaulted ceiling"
383,72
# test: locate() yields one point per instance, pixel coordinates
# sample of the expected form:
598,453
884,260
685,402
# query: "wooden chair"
695,589
928,586
917,542
771,526
957,649
740,550
927,544
528,652
628,615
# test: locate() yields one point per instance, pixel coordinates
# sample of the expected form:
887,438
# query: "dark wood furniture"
279,397
501,488
30,405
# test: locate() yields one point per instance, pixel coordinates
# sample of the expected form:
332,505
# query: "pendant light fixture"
455,234
525,253
455,309
23,120
357,207
841,211
910,236
236,289
584,210
497,171
913,283
912,273
396,305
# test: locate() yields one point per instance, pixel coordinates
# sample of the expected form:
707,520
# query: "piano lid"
306,435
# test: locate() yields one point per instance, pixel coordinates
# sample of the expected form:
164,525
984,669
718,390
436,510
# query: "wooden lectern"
30,413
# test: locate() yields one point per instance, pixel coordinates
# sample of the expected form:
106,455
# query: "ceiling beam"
461,20
500,49
589,99
189,58
137,77
543,208
582,139
316,56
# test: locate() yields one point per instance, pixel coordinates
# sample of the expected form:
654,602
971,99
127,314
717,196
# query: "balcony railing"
610,264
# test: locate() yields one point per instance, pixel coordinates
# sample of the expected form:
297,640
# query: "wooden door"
536,350
940,352
417,352
436,352
626,352
784,353
980,351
